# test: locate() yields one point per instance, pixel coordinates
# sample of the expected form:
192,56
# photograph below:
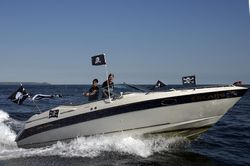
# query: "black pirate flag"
188,80
98,60
53,113
19,95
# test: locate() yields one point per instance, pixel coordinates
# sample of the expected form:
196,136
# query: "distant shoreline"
24,83
46,83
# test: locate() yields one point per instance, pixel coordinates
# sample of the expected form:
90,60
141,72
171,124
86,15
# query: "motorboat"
182,110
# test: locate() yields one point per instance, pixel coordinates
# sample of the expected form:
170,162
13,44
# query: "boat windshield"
118,91
129,88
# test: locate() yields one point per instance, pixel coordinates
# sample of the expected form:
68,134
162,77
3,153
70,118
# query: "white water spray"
87,146
7,136
95,146
249,5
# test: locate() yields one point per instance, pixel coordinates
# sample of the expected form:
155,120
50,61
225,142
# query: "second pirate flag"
19,95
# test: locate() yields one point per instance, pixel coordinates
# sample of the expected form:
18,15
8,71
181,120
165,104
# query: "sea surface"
227,143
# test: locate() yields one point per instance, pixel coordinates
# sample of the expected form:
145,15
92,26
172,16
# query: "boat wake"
7,136
87,146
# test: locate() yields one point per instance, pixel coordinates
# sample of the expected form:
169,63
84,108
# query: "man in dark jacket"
108,86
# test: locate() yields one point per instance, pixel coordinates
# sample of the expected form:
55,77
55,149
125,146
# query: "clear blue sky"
144,40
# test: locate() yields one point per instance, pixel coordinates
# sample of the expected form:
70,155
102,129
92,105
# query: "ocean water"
226,143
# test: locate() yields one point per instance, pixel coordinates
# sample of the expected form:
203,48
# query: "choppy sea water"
227,143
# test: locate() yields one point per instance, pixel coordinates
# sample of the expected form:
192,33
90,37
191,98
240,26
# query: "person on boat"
108,86
93,92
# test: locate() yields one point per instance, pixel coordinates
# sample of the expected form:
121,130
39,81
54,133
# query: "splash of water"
94,146
7,136
88,146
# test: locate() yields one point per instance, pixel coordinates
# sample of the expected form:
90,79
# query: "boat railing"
169,88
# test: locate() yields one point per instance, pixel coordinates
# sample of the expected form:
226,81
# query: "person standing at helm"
108,86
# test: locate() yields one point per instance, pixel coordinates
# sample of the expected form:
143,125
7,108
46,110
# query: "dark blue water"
227,143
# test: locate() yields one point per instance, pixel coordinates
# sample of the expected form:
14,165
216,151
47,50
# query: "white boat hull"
167,118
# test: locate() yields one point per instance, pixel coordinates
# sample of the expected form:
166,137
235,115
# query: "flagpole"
106,69
101,60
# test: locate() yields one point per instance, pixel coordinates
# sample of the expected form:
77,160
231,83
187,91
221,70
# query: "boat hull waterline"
135,113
